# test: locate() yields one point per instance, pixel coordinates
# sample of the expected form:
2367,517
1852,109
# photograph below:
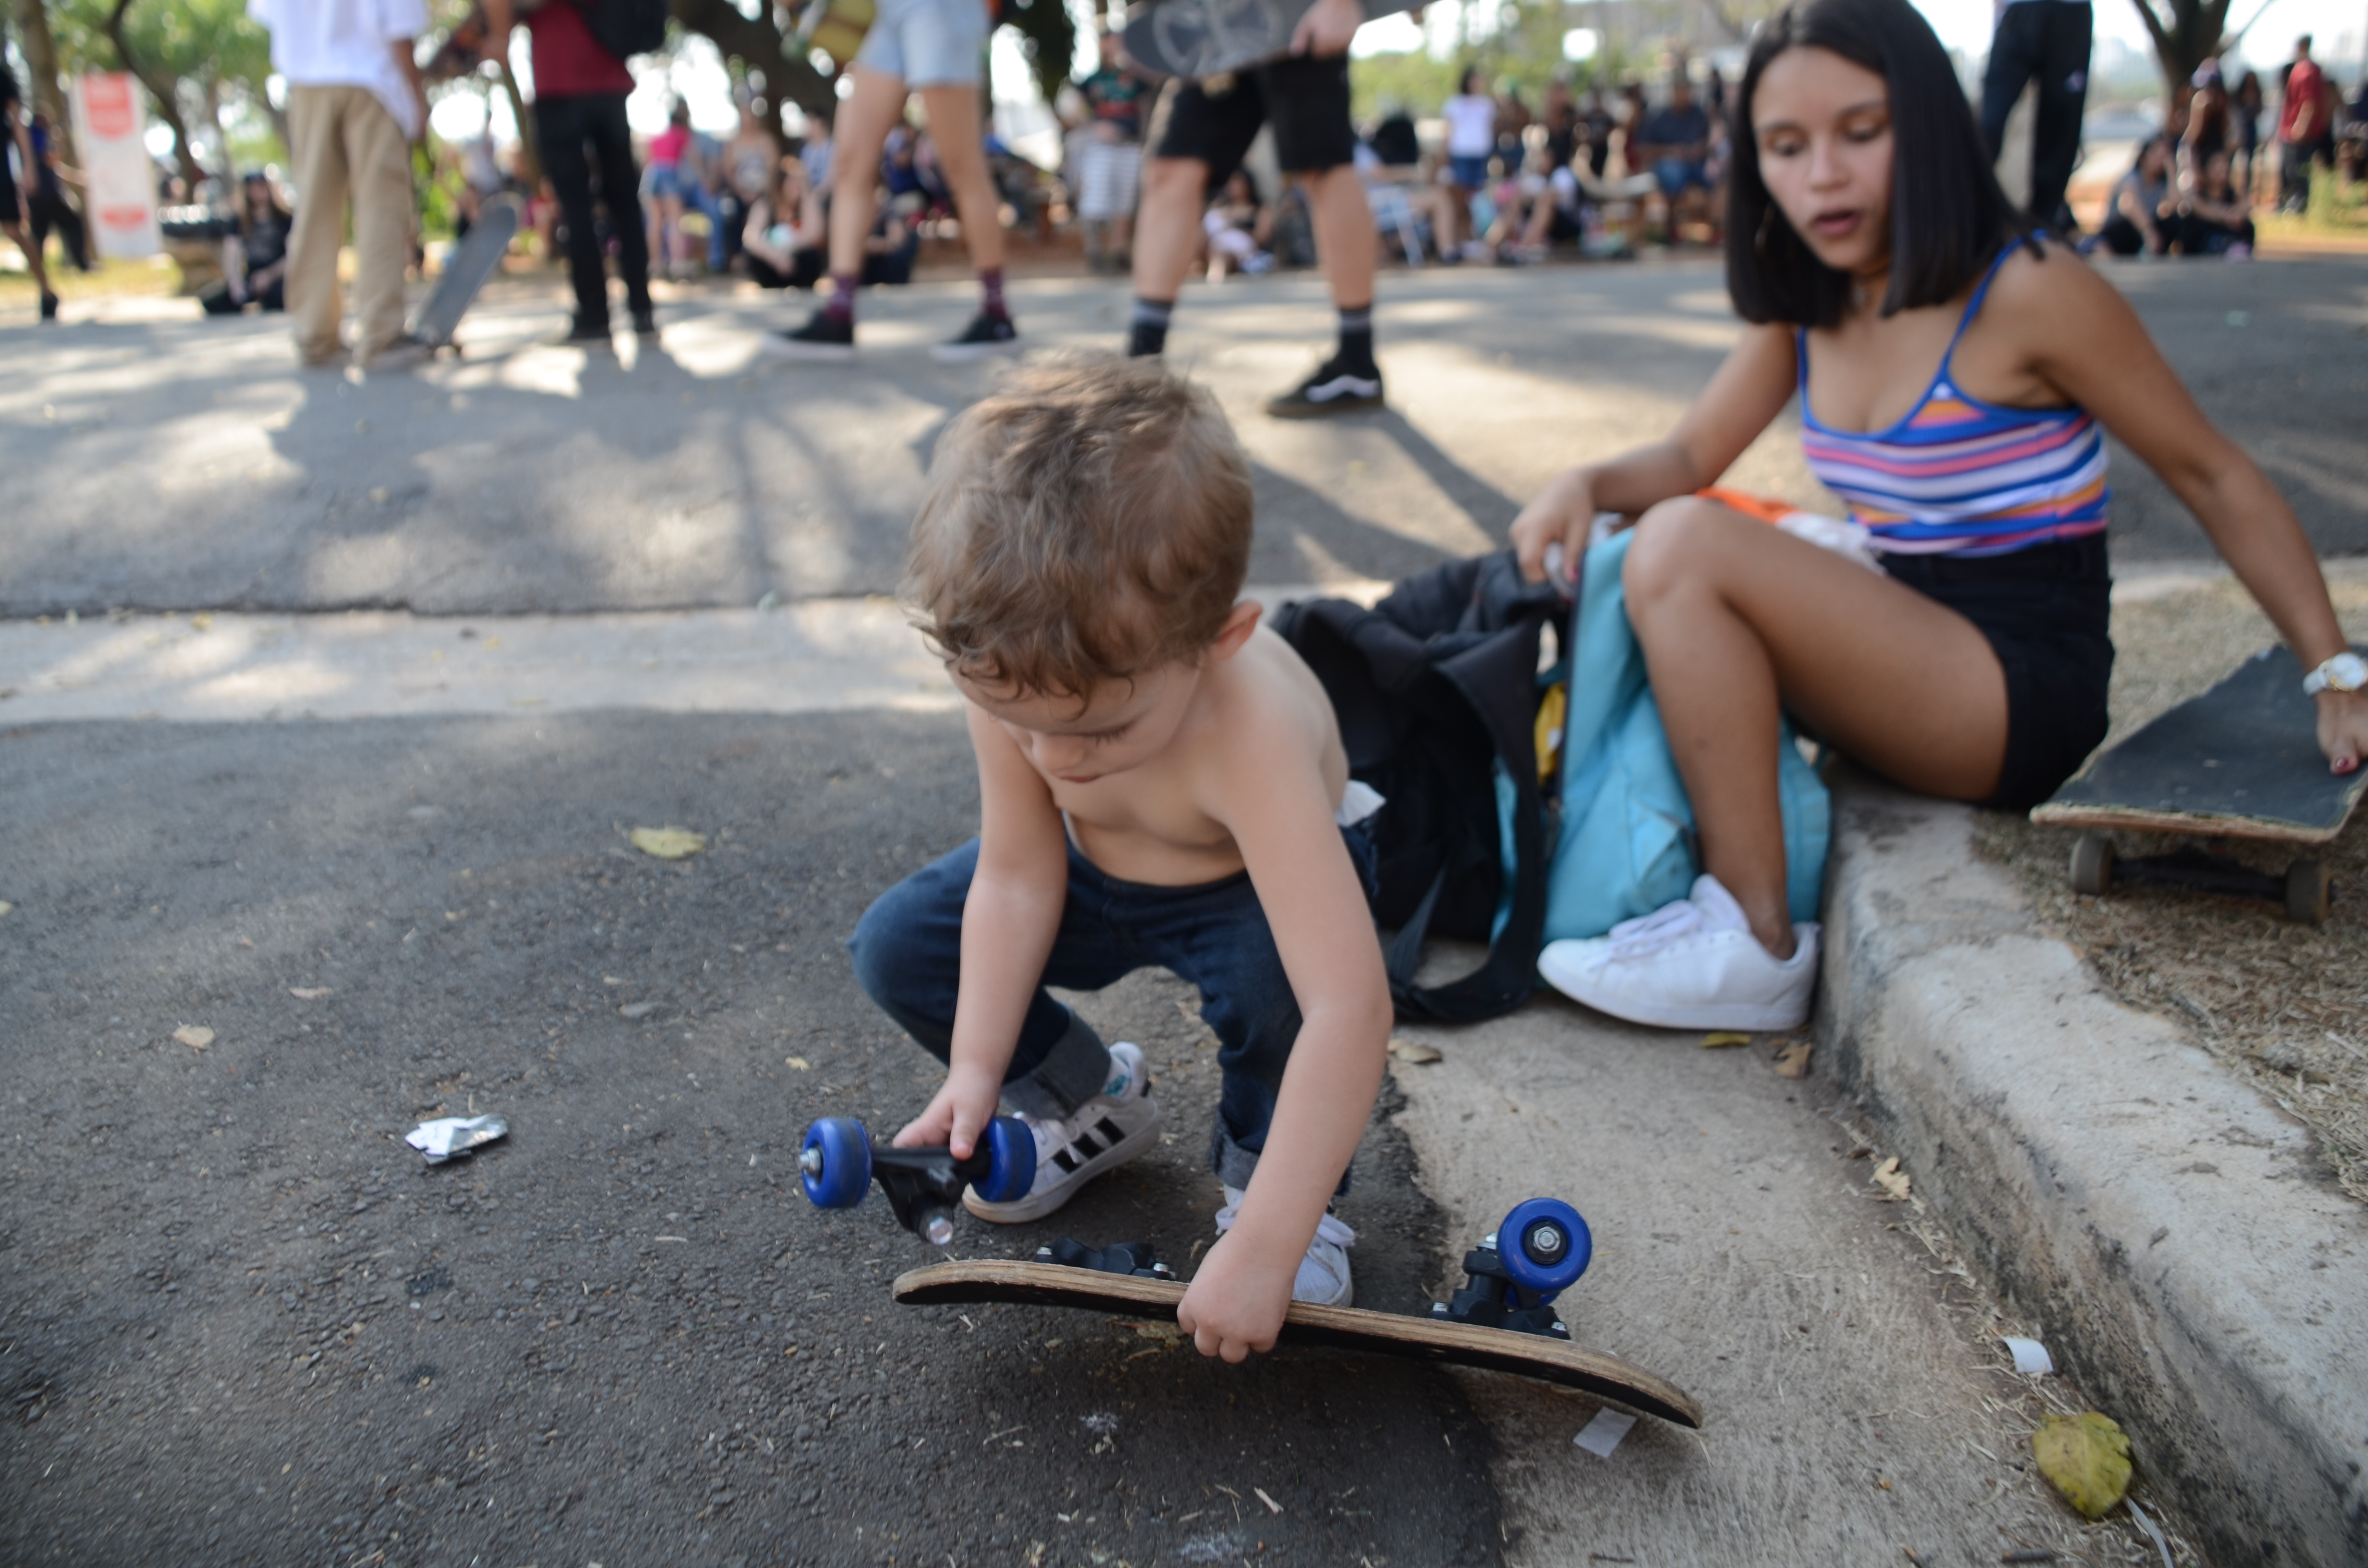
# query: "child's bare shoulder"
1266,707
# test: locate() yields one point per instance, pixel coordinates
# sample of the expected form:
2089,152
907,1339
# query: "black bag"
627,28
1434,687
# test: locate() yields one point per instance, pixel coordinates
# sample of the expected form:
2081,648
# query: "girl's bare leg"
1738,617
962,150
858,134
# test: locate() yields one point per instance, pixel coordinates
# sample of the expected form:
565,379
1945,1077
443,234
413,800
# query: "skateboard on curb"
471,263
1502,1320
1199,38
2241,761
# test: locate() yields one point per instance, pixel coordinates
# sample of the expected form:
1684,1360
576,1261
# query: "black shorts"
1306,101
2047,613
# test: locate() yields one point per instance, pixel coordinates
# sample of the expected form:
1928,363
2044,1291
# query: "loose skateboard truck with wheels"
1518,1268
1134,1258
839,1163
2306,890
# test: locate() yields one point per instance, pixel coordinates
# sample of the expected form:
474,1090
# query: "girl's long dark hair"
1948,215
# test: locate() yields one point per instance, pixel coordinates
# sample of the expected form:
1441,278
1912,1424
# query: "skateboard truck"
1514,1286
1134,1258
2306,890
838,1162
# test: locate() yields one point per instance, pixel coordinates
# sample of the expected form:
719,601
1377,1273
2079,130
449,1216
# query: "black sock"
1148,336
1357,339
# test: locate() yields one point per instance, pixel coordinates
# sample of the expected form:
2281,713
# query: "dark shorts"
1305,100
2047,613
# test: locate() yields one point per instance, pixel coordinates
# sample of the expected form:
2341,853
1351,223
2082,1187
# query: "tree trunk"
41,60
2190,34
759,45
165,90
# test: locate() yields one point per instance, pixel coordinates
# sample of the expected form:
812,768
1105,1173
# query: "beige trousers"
347,145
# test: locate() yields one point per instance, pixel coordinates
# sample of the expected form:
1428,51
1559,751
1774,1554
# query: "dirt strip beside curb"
2190,1256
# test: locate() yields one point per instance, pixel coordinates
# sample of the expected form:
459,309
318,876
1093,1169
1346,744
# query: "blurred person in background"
354,106
254,253
19,182
2045,41
579,120
49,205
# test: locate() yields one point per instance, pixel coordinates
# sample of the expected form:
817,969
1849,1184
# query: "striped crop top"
1961,476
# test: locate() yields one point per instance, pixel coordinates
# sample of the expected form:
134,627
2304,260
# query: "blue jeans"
1676,173
908,950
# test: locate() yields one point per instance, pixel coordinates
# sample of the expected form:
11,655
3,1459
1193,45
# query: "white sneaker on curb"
1105,1132
1693,964
1323,1279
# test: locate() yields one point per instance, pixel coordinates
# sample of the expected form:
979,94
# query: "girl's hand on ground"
1559,514
1235,1302
964,1103
2343,728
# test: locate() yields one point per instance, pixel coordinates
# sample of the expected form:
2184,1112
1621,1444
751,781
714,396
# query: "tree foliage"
196,58
2185,33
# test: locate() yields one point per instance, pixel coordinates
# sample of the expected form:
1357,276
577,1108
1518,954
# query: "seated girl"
255,255
784,239
2214,219
2134,217
1239,228
1955,375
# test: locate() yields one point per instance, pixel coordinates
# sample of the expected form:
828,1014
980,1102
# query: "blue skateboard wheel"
836,1163
1011,1161
1544,1246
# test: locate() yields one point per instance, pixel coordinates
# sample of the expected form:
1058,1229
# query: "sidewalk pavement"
164,463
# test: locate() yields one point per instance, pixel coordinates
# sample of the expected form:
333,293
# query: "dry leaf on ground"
1414,1052
668,842
308,992
6,907
1891,1179
800,1063
197,1037
2087,1458
1724,1037
1793,1062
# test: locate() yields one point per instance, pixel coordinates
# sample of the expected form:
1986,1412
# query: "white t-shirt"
345,43
1470,126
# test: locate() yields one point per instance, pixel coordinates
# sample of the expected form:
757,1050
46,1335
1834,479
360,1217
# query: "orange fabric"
1750,506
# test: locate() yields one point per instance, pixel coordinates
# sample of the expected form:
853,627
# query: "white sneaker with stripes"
1323,1277
1103,1134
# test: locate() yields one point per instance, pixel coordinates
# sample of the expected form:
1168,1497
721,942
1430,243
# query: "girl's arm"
1009,923
2081,337
1747,393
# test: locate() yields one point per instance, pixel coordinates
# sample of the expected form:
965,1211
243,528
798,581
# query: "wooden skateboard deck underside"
472,261
1343,1328
1198,38
2241,761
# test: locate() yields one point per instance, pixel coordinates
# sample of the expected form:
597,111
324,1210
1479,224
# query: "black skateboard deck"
2241,761
472,262
1199,38
1442,1341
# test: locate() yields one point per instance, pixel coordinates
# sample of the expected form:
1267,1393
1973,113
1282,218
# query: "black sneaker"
645,323
985,334
49,307
825,336
581,334
1333,388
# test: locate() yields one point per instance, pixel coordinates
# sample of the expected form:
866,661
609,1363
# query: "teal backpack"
1626,844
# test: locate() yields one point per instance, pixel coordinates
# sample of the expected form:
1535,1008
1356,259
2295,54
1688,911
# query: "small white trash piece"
453,1136
2030,1355
1603,1434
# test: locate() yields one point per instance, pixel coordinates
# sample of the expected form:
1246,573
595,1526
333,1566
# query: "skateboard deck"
2241,761
1209,38
1435,1340
472,261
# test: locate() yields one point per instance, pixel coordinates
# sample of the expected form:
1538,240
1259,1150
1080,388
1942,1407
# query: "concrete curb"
2184,1248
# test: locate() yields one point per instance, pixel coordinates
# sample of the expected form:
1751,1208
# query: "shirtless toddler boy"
1161,783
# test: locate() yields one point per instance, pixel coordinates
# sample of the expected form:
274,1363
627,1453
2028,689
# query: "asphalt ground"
157,461
241,1323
